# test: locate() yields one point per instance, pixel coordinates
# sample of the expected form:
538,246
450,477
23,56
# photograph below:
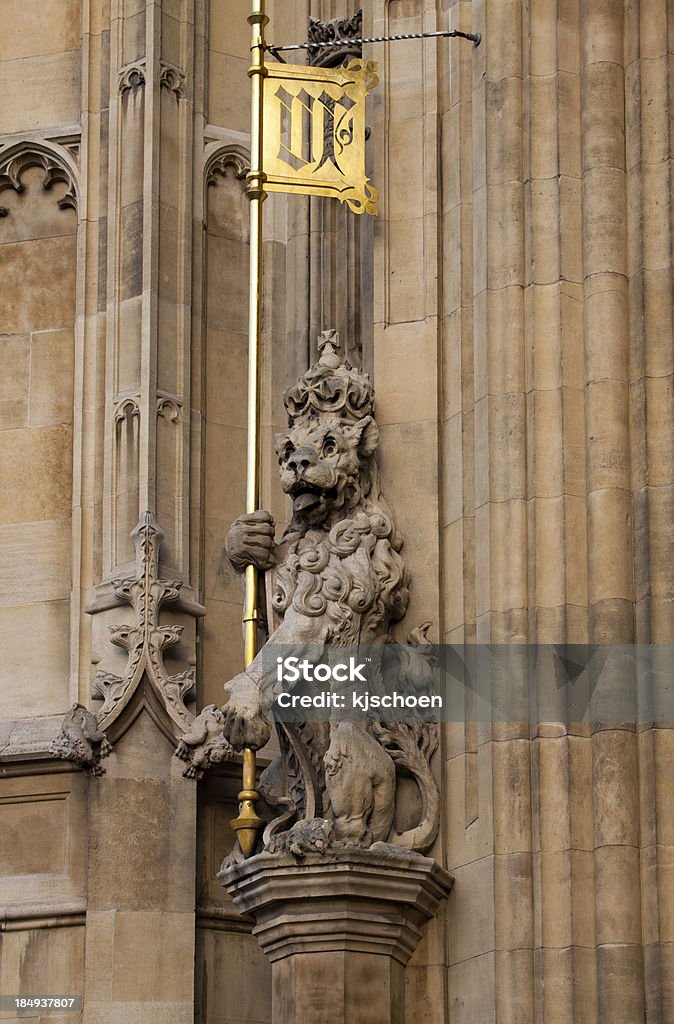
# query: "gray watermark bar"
601,684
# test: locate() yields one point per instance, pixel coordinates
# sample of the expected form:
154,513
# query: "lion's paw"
314,835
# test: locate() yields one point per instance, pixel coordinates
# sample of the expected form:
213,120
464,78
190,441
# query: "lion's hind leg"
360,779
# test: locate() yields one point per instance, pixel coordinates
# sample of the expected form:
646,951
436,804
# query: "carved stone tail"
423,835
411,746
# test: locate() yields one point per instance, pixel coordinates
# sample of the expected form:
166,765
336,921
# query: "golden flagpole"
248,824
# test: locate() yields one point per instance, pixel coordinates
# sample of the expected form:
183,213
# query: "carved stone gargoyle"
81,741
203,744
337,579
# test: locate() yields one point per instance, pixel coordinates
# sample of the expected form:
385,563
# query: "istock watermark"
571,684
345,691
291,670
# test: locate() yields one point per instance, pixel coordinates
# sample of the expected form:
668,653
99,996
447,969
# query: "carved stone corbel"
345,922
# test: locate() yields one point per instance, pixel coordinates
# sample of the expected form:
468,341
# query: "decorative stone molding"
45,913
221,158
81,741
72,145
169,408
172,78
126,407
348,922
131,77
56,162
147,638
343,29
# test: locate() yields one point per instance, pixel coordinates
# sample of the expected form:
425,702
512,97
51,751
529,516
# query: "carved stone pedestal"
338,929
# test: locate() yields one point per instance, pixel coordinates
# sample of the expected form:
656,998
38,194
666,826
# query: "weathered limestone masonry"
557,340
513,305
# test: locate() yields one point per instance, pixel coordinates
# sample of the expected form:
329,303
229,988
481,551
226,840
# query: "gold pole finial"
248,824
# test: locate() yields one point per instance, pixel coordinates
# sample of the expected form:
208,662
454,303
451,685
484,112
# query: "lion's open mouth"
307,497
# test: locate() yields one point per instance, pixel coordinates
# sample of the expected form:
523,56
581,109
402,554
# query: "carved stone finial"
81,741
344,30
328,346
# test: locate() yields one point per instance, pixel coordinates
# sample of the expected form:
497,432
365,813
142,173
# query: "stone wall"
513,302
38,260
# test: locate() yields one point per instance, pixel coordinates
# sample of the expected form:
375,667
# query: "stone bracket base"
338,929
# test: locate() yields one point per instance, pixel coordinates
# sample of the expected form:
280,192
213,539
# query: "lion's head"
326,455
325,465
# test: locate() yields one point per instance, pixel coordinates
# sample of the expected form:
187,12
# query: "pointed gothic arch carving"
218,158
56,161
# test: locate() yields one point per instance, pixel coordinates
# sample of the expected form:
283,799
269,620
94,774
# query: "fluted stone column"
338,929
140,929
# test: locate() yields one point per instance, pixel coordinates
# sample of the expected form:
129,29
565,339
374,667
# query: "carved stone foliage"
342,30
337,578
57,167
146,639
81,741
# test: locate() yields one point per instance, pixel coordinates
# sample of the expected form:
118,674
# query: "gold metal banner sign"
314,132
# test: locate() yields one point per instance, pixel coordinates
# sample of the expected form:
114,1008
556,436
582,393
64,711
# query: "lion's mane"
351,571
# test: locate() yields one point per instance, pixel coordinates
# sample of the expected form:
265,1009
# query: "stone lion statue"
337,578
